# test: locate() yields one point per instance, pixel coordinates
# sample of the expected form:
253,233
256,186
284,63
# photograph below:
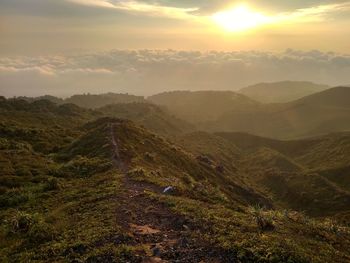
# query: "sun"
240,18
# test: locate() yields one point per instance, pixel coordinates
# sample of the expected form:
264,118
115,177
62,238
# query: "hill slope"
101,196
317,168
148,115
320,113
96,101
281,92
202,106
89,101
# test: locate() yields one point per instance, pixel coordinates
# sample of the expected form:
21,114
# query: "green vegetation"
89,101
149,116
81,185
314,115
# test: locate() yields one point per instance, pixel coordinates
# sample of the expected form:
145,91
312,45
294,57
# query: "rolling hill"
281,92
322,159
300,174
92,101
89,101
148,115
202,106
105,189
317,114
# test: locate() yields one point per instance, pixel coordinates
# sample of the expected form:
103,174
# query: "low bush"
23,171
52,184
264,219
14,197
31,226
21,222
85,167
137,173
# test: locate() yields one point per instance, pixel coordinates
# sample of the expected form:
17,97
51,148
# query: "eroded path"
161,235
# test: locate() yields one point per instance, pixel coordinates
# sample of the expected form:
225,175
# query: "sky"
48,44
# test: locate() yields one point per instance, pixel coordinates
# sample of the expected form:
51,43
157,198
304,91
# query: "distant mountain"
202,106
45,97
320,113
148,115
96,101
336,97
281,92
89,101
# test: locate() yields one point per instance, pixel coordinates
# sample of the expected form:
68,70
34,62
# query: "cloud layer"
147,72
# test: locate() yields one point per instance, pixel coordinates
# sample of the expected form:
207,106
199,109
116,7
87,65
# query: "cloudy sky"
63,46
36,26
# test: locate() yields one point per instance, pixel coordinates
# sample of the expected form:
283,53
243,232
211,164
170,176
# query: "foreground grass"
290,237
76,222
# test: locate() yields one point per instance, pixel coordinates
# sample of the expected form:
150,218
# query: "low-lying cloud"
147,72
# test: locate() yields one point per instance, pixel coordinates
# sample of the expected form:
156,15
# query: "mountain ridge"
281,92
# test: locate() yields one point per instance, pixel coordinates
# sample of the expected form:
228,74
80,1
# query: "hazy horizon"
147,72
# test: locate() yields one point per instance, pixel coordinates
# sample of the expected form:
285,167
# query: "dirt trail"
164,235
116,152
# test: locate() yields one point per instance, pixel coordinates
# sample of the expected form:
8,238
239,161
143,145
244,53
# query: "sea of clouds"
146,72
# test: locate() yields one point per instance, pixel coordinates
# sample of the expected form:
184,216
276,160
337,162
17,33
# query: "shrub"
85,167
263,218
32,226
23,171
14,197
137,173
150,157
12,181
188,180
52,184
21,222
40,232
331,226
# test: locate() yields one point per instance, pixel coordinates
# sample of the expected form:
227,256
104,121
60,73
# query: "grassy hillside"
314,115
89,101
309,175
323,152
97,195
281,92
43,124
148,115
92,101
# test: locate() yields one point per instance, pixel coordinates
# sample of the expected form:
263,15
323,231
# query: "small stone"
168,190
155,251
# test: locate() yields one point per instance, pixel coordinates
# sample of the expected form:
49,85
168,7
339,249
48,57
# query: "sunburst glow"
240,18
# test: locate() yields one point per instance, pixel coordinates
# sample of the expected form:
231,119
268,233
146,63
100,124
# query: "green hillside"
89,101
312,169
148,115
317,114
281,92
95,192
93,101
